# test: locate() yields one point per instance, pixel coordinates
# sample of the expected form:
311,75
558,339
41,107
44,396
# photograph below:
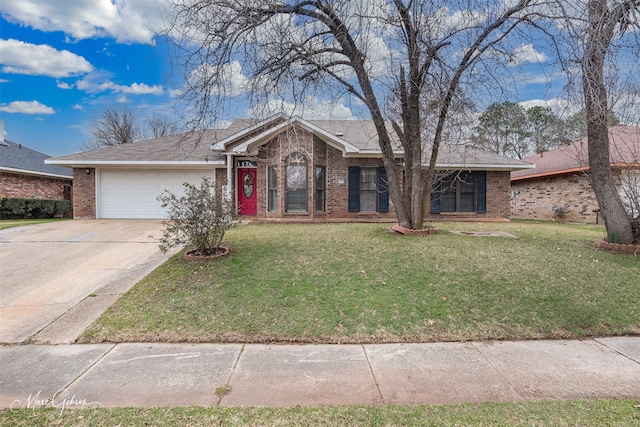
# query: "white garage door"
133,194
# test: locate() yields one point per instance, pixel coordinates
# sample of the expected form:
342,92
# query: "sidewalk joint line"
233,371
505,379
375,380
615,351
84,371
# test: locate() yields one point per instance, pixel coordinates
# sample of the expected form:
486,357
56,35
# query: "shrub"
16,207
39,208
199,218
12,207
62,208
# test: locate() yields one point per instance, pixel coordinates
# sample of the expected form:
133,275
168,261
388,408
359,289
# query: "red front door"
247,191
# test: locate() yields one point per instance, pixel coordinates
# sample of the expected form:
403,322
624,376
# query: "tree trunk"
599,36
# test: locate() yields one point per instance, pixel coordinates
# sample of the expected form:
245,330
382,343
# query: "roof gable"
264,131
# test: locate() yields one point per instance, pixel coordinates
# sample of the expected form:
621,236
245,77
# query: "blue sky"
57,76
62,62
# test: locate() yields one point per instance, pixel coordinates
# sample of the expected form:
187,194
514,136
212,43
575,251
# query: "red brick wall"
498,194
317,153
84,193
32,186
498,200
538,196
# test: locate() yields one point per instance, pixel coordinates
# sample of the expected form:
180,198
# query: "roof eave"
481,167
551,173
94,163
35,173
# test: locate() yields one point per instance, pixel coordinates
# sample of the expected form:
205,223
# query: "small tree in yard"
199,218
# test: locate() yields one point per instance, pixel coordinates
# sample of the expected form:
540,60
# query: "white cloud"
128,21
98,82
63,85
26,107
18,57
560,107
4,81
231,80
312,109
526,53
460,19
175,93
139,89
77,107
121,99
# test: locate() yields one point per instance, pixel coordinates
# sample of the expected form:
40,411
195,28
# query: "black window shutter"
436,196
383,190
481,189
354,189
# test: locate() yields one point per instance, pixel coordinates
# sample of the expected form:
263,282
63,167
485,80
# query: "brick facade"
84,193
33,186
498,201
538,197
318,153
498,194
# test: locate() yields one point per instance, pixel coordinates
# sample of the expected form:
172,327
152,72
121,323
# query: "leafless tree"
115,126
394,57
158,125
602,37
121,125
605,20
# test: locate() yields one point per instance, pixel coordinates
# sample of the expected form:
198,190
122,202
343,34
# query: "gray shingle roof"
196,147
20,157
188,147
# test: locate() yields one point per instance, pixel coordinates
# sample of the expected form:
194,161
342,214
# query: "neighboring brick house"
24,174
282,169
559,186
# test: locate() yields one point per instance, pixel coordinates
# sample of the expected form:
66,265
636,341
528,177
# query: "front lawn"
9,223
593,413
360,283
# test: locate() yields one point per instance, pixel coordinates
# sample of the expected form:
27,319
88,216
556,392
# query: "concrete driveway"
57,278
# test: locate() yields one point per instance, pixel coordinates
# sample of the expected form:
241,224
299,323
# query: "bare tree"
604,21
121,125
395,57
158,125
115,126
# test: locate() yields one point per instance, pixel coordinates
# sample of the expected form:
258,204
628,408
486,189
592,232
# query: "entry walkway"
146,375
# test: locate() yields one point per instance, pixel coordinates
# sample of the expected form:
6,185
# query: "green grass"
8,223
592,413
347,283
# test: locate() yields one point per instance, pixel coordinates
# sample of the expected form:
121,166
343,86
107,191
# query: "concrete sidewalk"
148,375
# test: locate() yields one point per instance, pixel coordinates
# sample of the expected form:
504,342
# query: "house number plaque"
247,164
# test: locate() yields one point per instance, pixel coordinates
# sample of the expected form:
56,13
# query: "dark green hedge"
14,207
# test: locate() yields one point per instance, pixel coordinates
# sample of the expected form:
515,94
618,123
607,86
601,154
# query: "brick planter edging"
630,249
424,232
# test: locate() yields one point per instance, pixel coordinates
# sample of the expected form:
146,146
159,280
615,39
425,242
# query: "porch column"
229,175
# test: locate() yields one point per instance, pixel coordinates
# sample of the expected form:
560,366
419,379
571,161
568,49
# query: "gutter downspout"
229,175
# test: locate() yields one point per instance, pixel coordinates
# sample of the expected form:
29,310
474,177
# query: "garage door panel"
133,194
